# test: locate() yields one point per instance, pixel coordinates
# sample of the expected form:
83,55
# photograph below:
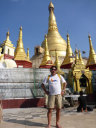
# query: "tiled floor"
37,118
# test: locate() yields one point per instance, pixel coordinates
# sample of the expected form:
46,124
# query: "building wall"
11,51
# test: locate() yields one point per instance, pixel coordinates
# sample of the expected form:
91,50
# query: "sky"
76,17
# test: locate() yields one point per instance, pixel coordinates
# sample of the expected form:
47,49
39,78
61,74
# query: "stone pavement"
36,118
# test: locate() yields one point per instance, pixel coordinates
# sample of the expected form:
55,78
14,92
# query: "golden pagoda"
55,41
58,64
68,60
20,55
92,56
46,62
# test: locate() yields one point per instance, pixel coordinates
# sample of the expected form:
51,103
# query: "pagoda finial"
52,19
80,58
28,54
20,52
76,53
68,58
51,7
7,36
46,59
92,55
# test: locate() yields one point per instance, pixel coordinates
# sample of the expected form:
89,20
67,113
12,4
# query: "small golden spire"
76,53
58,64
20,52
80,58
46,59
28,54
92,55
69,54
7,42
7,35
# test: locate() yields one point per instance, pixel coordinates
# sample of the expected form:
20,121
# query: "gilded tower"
54,39
20,56
46,62
91,63
68,60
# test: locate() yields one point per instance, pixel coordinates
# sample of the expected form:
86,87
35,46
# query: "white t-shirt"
54,84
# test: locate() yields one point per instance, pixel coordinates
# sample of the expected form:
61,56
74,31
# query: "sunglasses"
53,69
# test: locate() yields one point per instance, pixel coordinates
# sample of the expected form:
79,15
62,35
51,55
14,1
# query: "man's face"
53,71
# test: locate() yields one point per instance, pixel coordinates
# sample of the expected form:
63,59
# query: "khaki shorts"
55,101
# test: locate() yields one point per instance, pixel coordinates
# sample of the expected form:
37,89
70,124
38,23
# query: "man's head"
53,70
81,93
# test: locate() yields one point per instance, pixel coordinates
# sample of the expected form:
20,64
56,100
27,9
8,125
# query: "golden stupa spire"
58,64
80,58
55,41
76,54
20,52
46,59
68,58
7,41
28,53
92,55
52,19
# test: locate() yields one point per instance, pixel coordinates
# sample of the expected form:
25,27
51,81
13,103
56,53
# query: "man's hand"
62,92
47,92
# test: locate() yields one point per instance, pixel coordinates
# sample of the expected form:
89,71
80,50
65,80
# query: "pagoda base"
66,66
6,56
46,66
23,63
23,103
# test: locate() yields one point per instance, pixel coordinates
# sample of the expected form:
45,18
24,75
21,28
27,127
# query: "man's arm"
47,92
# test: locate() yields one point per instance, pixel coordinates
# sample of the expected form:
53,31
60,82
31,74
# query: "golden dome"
55,41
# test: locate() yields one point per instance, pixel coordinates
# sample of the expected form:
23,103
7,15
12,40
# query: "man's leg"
58,118
49,115
58,109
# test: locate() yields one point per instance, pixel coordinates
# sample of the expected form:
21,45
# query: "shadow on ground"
28,123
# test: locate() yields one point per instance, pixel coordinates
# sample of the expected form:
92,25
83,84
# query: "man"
54,94
82,103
